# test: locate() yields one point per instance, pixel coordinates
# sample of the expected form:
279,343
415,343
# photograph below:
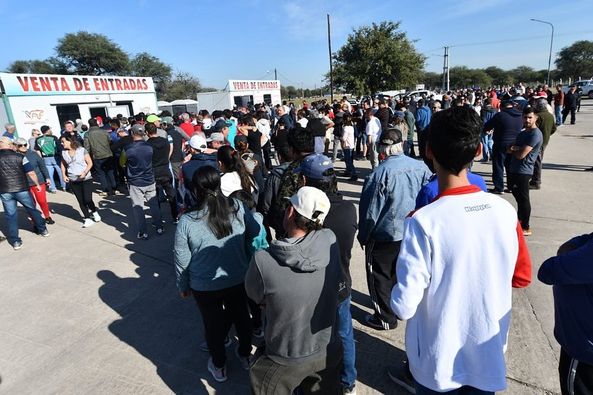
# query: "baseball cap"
44,128
219,125
152,118
167,120
390,137
137,129
316,166
198,142
311,203
399,114
20,141
217,136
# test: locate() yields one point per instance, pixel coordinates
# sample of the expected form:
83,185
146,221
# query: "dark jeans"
537,168
565,112
255,311
575,375
519,184
320,376
380,269
465,390
219,310
500,163
349,159
105,172
84,195
166,184
422,143
9,201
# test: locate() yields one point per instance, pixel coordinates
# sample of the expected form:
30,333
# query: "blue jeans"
558,113
487,143
106,173
465,390
319,144
346,333
9,201
52,166
500,162
349,159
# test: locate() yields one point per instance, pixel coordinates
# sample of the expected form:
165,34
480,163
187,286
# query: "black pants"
84,195
267,151
520,189
565,112
166,184
501,162
574,375
422,143
537,169
255,311
380,269
219,310
320,376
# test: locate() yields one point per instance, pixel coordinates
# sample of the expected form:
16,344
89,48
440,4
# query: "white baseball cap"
198,142
311,203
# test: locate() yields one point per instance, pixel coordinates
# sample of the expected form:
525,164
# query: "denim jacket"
388,196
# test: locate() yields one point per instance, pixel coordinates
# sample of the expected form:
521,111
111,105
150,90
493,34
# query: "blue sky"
222,40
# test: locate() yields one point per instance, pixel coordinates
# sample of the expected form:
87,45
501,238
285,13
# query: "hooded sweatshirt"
506,124
297,280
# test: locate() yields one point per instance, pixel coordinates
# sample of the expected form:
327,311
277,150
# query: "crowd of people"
266,247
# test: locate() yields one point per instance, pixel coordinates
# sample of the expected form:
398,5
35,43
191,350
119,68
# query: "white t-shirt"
348,137
373,129
76,164
303,122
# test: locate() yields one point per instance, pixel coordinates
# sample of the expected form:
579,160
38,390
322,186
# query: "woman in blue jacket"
212,246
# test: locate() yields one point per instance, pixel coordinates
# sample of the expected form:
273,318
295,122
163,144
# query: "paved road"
94,311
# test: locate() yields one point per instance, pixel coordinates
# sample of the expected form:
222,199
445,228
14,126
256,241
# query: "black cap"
390,137
219,125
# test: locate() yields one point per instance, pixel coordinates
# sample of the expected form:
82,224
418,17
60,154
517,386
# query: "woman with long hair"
76,169
234,174
211,258
348,145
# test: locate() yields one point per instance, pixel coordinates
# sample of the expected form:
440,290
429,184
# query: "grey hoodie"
298,284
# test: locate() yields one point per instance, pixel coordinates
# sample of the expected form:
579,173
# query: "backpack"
47,145
289,185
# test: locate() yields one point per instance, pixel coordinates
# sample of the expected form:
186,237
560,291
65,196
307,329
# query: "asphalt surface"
95,311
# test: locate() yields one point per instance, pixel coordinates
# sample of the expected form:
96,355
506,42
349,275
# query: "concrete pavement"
96,311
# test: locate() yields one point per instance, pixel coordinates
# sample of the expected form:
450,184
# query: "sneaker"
45,233
258,333
219,374
227,343
142,236
349,390
245,361
52,191
375,323
103,194
49,221
87,223
534,186
401,376
96,216
160,230
527,232
496,191
17,245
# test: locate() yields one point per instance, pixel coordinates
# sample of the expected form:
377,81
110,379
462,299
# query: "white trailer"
32,100
241,93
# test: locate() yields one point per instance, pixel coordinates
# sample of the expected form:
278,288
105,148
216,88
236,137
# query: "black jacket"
506,124
13,175
570,100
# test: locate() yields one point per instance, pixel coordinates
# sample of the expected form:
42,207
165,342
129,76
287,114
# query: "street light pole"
551,44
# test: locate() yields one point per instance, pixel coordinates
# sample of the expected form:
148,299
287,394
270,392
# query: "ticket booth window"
67,112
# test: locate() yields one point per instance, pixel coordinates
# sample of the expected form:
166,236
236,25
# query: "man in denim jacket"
388,196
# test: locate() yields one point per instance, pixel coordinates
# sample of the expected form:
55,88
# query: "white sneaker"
96,216
87,223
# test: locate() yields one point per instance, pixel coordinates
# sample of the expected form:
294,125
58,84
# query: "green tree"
576,60
464,77
432,80
524,74
92,53
375,58
499,76
49,66
182,86
144,64
291,92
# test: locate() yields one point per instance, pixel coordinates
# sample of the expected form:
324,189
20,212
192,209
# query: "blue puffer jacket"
388,196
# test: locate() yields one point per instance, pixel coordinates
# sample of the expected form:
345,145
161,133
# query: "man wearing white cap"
200,156
296,280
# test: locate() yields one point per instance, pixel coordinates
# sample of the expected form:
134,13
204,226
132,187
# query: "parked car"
420,93
586,87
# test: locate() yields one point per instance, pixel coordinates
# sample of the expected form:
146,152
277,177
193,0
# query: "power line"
516,39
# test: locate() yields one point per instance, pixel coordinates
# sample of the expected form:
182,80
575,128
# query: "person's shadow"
164,328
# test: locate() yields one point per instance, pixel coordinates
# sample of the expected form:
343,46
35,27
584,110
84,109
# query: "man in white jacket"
455,288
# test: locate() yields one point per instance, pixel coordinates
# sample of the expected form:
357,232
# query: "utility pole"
331,67
551,44
275,74
446,70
